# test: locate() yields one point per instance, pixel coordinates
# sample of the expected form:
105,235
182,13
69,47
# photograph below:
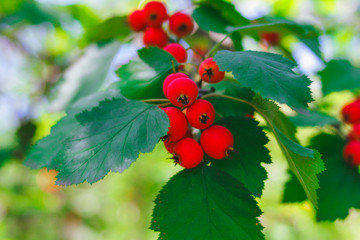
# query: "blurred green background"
39,40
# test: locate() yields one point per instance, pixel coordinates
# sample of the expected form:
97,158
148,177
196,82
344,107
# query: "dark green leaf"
339,75
245,163
269,74
205,204
313,119
143,79
293,191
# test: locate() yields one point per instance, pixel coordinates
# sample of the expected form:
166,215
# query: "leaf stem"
216,46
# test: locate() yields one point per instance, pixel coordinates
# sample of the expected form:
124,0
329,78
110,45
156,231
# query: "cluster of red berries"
216,141
351,114
151,18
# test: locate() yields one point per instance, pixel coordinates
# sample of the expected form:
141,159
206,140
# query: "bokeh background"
41,39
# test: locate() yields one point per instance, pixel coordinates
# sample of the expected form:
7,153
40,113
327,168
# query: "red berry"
200,114
188,153
181,24
170,78
352,153
155,37
182,92
249,115
351,112
178,52
217,141
178,124
209,71
169,145
155,14
355,133
271,38
137,20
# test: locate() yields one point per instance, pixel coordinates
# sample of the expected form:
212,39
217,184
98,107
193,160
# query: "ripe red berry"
178,52
155,37
200,114
182,92
188,153
352,153
355,133
217,141
137,20
170,78
271,38
351,112
169,145
209,71
155,13
178,124
181,24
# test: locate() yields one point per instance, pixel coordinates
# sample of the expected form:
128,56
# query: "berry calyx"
155,37
271,38
209,71
137,20
217,141
351,112
178,52
188,153
201,114
352,153
170,78
178,124
181,24
155,13
182,92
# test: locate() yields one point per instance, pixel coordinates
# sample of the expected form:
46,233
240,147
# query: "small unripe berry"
170,78
188,153
209,71
155,37
182,92
178,124
352,153
217,141
181,24
271,38
201,114
137,20
178,52
155,14
351,112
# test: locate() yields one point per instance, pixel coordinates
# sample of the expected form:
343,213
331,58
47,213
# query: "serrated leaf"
110,138
293,191
250,152
45,153
313,119
205,203
268,74
143,79
339,75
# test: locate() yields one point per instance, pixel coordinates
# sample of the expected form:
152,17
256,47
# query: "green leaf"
245,163
293,191
339,75
314,119
45,153
112,28
205,203
143,79
268,74
110,138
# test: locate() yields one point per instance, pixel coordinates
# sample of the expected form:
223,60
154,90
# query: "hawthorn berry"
137,20
155,37
178,124
188,153
170,78
169,145
217,141
182,92
178,52
181,24
200,114
352,153
155,14
351,112
209,71
271,38
355,133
